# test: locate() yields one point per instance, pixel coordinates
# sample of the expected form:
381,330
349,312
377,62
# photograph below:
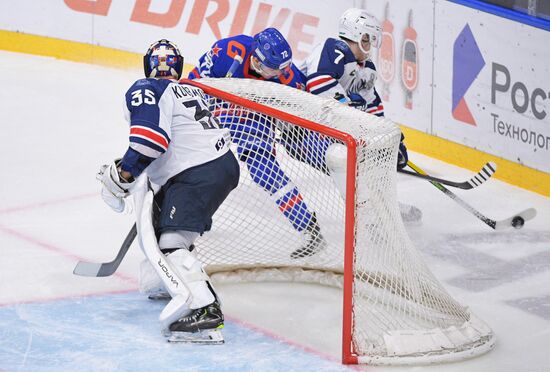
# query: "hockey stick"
84,268
237,60
483,175
516,221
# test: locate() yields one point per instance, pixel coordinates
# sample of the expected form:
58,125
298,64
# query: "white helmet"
355,23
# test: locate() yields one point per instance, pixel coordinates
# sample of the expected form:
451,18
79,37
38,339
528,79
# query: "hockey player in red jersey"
266,56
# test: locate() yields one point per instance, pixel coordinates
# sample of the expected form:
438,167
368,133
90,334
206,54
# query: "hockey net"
395,310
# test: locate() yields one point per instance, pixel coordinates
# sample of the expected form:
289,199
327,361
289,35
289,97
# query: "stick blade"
526,215
86,268
93,269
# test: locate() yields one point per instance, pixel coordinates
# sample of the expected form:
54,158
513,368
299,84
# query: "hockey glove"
402,156
115,189
357,100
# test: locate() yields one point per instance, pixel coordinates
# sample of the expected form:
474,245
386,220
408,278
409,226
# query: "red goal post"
394,310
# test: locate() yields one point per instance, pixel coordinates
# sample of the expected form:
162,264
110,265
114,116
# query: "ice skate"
202,326
410,214
314,241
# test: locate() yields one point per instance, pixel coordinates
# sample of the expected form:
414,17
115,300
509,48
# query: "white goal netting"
290,196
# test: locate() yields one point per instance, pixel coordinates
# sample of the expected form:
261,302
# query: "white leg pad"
181,272
174,310
149,280
181,296
336,159
189,268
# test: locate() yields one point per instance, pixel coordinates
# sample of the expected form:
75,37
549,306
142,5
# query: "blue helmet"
272,49
163,59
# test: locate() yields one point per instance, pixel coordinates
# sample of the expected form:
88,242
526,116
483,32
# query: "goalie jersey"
171,129
217,62
331,70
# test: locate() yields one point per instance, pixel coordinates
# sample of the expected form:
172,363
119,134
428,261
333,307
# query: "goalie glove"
115,189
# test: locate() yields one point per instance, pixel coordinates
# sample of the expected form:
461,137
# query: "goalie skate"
202,326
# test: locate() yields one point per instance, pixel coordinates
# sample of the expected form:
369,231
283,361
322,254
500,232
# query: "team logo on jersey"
467,64
216,50
220,143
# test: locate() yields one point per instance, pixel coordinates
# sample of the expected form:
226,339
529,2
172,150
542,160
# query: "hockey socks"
267,173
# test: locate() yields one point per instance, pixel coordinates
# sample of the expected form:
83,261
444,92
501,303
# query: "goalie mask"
163,59
359,26
271,52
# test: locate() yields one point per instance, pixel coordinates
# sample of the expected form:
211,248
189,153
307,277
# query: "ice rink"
61,120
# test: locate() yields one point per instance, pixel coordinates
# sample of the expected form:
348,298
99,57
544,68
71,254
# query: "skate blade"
301,254
207,337
160,296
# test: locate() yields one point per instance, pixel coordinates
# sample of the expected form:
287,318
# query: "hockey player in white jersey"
342,69
177,144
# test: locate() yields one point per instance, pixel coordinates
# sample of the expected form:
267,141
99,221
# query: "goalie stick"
483,175
517,221
84,268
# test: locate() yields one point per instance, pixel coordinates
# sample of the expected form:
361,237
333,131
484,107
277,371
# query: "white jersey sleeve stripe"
376,110
147,140
320,83
145,150
149,135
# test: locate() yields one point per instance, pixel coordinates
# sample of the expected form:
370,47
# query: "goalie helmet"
163,59
355,23
272,51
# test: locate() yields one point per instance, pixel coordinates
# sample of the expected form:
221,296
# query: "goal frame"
348,354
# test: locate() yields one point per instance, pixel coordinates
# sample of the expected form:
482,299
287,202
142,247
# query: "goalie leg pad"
189,269
181,272
149,282
175,285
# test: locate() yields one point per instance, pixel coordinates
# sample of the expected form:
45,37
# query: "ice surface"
61,120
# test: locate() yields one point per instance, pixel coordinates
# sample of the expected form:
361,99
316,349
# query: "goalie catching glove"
115,188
